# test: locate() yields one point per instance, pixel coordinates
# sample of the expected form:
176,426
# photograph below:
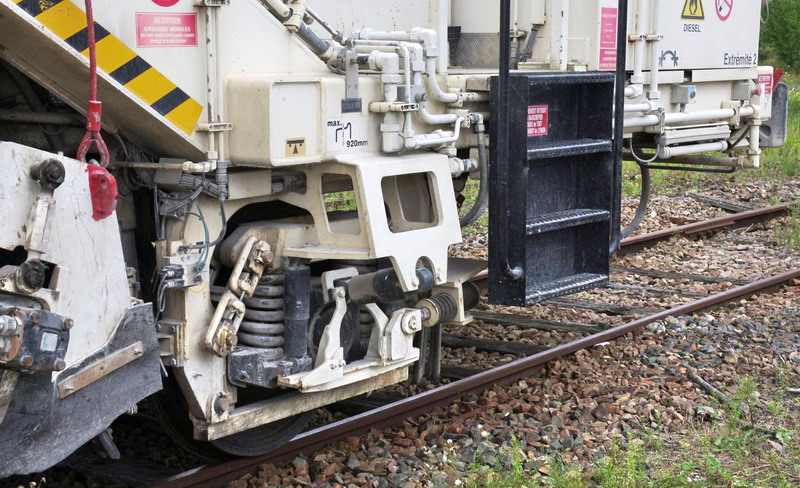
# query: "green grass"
719,453
788,235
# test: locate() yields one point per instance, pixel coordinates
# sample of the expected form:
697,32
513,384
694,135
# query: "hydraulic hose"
482,200
644,201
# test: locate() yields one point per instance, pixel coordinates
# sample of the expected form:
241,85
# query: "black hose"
482,200
644,201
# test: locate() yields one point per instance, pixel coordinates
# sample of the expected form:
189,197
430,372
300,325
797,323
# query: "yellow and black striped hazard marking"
68,22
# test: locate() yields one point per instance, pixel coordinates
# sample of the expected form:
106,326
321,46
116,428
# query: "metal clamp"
255,256
221,335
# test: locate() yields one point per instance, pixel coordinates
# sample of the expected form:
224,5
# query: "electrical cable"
201,262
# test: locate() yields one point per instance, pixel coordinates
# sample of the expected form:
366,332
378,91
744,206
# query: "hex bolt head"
68,324
60,365
26,361
36,317
50,174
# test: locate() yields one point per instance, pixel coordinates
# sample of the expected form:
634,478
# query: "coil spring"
263,326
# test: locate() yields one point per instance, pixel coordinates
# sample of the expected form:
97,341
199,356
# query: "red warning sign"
166,30
608,38
537,120
766,80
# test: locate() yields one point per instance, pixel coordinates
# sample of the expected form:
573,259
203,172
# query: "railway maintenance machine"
242,209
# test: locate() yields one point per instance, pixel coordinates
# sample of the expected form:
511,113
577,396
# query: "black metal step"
573,147
564,286
565,219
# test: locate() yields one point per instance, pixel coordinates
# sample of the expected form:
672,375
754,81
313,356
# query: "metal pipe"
687,117
317,45
54,118
211,67
336,35
430,118
433,83
280,9
637,107
33,101
669,152
384,46
559,44
438,138
501,151
619,130
638,53
654,94
697,160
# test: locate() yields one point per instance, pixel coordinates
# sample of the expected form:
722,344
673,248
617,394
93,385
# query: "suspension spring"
263,325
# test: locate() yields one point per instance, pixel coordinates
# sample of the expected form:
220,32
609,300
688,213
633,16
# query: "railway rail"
389,414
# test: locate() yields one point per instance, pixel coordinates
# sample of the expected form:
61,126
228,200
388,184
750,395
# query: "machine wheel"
171,409
265,438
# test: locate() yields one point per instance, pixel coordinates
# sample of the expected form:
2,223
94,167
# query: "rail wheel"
171,408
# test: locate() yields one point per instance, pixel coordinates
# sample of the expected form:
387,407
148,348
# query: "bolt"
36,317
51,174
231,340
31,276
26,361
173,362
68,324
59,365
10,325
69,388
221,405
243,375
137,351
267,256
173,329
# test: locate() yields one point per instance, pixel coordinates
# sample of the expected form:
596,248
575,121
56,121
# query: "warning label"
608,38
766,80
166,30
347,133
537,120
693,10
295,147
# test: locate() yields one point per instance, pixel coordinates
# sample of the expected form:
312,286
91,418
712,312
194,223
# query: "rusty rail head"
737,220
218,475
